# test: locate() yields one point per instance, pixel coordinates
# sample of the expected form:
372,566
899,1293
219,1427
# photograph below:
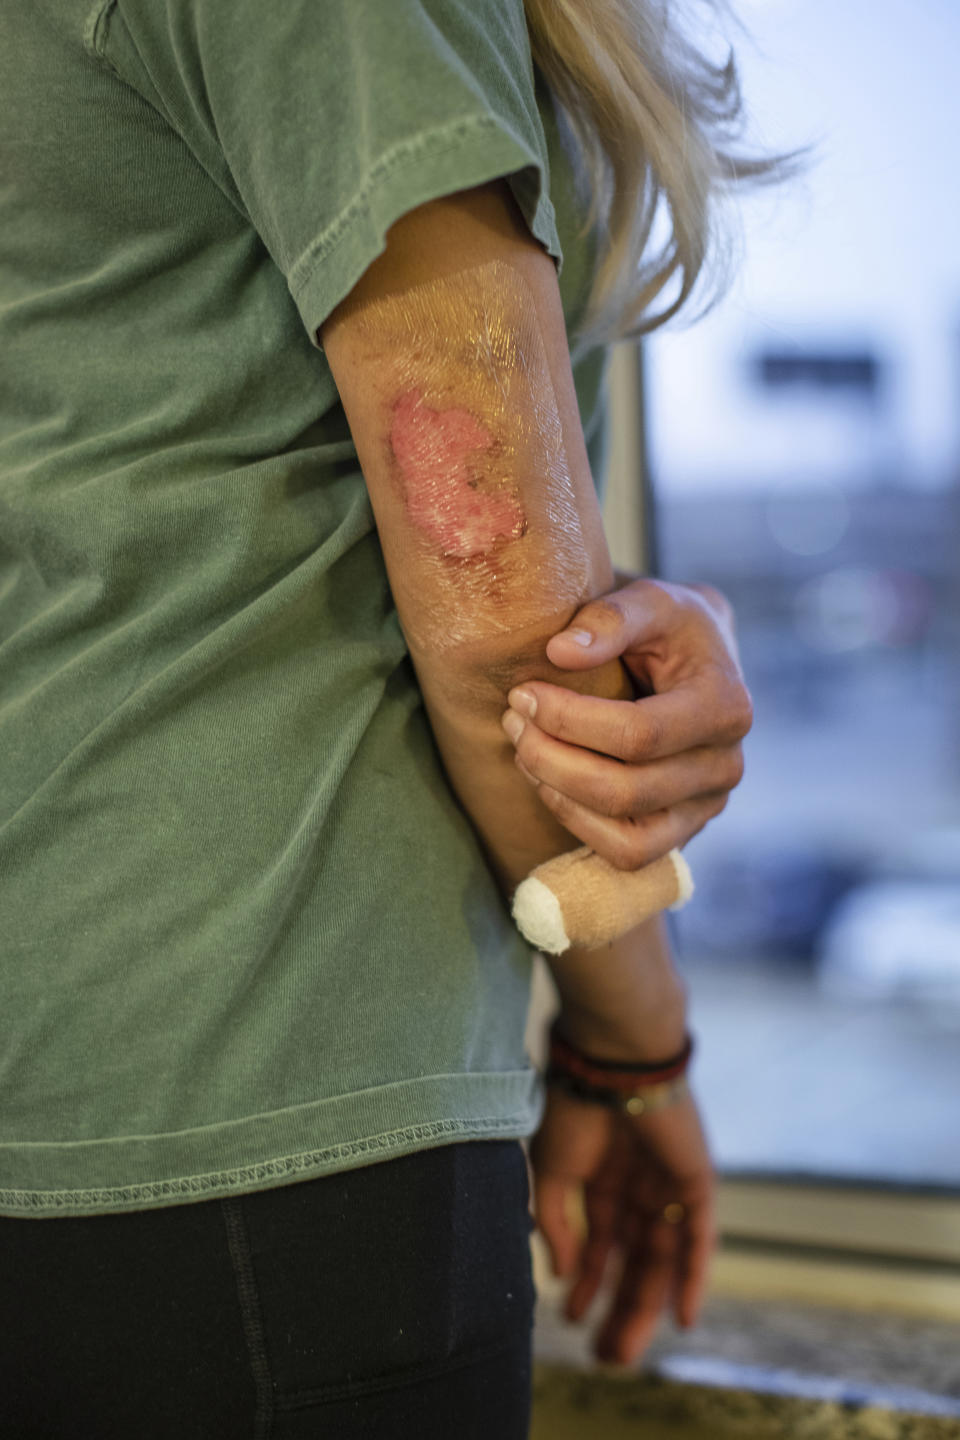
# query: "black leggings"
393,1302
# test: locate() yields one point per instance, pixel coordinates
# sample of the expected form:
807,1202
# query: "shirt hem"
510,1107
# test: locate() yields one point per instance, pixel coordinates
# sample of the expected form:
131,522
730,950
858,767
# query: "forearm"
457,386
518,832
626,1001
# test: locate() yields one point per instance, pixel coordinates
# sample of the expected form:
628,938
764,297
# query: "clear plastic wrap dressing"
472,438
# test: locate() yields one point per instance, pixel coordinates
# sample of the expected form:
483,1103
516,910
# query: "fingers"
626,792
603,1207
697,1241
651,618
567,1148
551,1211
665,791
677,641
711,711
717,601
590,1272
643,1291
608,625
631,844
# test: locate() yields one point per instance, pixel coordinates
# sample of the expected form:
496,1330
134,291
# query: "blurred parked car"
894,939
772,900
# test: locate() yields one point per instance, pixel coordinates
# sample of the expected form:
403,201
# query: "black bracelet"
633,1104
581,1088
623,1067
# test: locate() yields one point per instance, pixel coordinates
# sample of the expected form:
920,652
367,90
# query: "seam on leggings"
416,1374
238,1243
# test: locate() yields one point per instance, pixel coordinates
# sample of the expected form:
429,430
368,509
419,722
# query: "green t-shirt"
247,935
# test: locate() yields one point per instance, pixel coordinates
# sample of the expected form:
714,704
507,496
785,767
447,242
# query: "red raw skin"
432,449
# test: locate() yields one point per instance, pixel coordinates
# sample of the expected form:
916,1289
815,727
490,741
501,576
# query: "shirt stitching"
270,1170
433,142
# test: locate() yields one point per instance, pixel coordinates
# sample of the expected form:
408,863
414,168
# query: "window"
820,489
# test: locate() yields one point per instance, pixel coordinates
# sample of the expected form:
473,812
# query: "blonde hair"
644,115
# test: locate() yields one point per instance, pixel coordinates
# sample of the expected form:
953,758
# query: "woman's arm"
626,1001
451,359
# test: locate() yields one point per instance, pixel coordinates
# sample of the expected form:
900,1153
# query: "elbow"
479,678
481,673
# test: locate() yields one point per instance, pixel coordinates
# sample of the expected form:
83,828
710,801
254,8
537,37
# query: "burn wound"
433,450
474,444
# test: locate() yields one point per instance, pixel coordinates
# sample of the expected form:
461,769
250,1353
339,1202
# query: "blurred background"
802,448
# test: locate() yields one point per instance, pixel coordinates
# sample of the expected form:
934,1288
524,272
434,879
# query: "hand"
674,753
629,1169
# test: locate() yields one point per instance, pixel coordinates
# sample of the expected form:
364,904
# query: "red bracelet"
614,1074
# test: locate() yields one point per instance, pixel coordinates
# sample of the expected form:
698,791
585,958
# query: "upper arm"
450,357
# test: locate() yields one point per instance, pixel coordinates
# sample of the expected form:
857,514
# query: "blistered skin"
433,449
472,436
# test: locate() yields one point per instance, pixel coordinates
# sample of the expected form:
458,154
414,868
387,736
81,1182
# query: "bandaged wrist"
580,899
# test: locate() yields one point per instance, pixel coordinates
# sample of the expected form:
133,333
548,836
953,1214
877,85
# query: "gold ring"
674,1212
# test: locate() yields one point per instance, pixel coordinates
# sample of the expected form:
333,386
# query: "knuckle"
607,612
716,599
628,850
741,713
641,800
623,739
557,716
735,768
642,736
609,799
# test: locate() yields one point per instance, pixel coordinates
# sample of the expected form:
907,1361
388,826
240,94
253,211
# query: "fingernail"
523,701
581,637
513,725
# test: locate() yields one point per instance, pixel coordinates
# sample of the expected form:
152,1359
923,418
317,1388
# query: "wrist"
627,1086
654,1035
626,1001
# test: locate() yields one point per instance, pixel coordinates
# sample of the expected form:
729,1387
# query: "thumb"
602,630
551,1202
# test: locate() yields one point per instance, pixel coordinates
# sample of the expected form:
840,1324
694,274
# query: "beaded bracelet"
635,1088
